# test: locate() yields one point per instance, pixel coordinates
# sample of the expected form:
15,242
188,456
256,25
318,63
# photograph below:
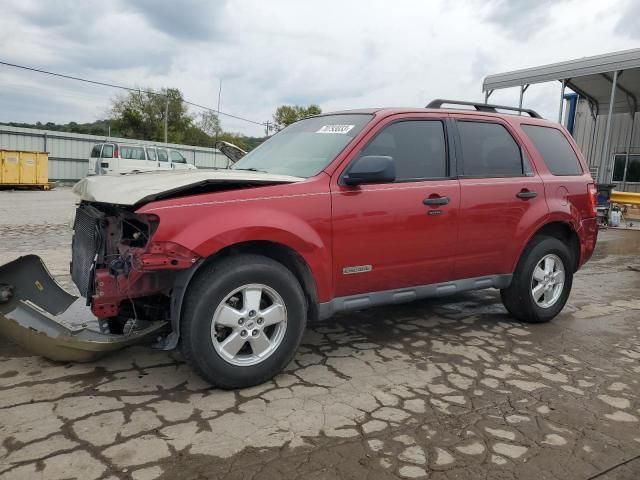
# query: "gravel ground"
446,389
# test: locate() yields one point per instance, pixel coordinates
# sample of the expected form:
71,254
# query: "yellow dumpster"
24,169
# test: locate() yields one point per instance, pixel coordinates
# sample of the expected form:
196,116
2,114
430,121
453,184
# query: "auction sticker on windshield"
340,129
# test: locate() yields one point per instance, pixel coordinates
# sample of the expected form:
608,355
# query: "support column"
626,160
560,110
523,88
605,160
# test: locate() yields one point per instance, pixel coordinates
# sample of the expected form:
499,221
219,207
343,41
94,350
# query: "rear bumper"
46,320
588,235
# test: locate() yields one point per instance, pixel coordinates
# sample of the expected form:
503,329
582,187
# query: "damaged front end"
125,282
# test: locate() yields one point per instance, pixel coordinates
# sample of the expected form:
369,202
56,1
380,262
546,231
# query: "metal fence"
69,152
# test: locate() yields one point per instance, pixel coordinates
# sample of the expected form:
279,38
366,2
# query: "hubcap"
249,325
547,281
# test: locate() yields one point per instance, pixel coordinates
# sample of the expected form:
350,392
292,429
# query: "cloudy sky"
339,54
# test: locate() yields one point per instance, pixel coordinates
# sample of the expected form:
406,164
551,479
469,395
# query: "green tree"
209,123
141,115
287,114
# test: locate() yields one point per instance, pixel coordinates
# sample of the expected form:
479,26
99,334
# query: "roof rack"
482,107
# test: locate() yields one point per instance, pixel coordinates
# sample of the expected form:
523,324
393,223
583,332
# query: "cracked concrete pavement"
446,389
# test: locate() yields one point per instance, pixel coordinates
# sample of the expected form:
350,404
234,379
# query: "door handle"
436,201
526,194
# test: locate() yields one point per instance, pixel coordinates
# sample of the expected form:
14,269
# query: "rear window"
489,150
132,153
95,152
107,151
555,150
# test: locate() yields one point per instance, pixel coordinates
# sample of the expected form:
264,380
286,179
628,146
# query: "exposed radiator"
84,246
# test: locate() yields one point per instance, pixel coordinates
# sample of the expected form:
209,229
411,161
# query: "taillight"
116,153
593,198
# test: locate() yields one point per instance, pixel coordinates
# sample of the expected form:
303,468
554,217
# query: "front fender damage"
39,315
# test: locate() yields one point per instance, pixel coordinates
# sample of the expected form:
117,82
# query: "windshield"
305,148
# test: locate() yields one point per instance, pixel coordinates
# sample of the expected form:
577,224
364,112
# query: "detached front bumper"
43,318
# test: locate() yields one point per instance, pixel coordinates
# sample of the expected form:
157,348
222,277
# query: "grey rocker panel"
408,294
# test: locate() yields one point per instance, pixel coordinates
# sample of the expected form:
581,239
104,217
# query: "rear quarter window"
132,153
555,149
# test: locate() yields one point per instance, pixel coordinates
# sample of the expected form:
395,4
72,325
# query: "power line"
225,114
130,89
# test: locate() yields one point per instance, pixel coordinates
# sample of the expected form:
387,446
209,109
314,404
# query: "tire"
211,306
519,299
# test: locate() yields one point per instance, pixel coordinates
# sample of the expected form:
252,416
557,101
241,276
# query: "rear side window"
555,150
162,156
489,150
107,151
132,153
95,152
176,157
418,149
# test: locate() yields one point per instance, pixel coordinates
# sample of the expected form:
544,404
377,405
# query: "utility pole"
267,128
166,116
218,112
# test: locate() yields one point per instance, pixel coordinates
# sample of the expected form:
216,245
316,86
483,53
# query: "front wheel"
541,283
243,320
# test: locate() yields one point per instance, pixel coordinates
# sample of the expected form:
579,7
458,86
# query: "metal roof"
590,77
53,134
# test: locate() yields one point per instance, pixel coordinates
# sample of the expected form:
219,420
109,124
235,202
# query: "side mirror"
371,169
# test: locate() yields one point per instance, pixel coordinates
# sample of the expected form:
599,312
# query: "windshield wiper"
251,170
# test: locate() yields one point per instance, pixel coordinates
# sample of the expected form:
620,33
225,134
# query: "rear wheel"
243,320
542,281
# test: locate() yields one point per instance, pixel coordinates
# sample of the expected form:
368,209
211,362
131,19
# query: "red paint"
111,290
482,231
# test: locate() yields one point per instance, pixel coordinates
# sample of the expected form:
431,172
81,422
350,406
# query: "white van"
114,158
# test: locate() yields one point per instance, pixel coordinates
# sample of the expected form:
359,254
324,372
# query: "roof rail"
482,107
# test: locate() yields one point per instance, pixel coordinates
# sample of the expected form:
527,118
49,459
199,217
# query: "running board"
409,294
39,315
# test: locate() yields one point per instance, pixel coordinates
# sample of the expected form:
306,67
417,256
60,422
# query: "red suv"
341,211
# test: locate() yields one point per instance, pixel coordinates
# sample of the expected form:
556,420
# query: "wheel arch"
284,255
279,252
563,231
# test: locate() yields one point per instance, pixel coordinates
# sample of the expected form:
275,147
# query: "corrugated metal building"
624,141
605,118
69,152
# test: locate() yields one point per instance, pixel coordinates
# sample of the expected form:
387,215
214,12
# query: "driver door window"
418,149
176,157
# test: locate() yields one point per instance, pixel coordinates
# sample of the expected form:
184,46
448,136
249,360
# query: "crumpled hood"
140,188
